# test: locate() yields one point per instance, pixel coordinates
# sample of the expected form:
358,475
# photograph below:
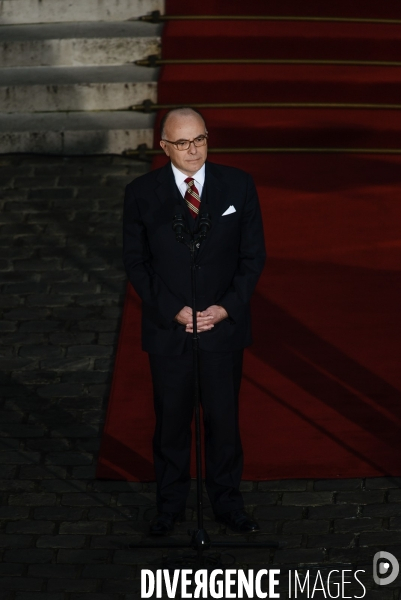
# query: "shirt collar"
180,177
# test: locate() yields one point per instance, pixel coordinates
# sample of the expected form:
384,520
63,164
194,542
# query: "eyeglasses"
185,144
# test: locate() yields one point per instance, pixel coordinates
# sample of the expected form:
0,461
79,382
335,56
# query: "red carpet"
282,40
322,382
385,9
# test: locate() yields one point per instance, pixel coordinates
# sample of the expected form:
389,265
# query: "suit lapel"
214,196
166,190
168,193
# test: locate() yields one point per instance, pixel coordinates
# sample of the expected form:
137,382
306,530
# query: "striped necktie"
192,197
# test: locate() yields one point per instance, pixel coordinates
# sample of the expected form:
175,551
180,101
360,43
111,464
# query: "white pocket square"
229,210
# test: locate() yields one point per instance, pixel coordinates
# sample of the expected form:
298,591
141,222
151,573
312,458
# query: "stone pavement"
64,535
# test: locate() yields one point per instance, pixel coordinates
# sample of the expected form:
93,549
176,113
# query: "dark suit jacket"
229,262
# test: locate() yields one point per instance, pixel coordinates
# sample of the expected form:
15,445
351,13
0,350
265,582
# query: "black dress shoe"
164,522
239,521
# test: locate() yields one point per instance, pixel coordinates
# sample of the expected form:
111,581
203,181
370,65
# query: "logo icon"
385,568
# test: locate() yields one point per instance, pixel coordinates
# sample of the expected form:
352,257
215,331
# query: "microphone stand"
200,540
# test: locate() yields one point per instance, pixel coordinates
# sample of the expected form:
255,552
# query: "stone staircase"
67,78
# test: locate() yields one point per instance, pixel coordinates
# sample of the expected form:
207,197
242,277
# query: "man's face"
185,127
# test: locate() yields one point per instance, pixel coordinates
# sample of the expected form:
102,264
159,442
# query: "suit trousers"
220,377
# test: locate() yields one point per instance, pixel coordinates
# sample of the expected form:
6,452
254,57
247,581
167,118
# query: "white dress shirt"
180,178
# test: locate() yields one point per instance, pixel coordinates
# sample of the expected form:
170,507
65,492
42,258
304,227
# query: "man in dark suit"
228,265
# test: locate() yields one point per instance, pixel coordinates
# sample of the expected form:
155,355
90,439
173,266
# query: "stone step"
40,89
57,11
77,44
75,133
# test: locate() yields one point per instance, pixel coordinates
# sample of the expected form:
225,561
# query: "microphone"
205,222
179,223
